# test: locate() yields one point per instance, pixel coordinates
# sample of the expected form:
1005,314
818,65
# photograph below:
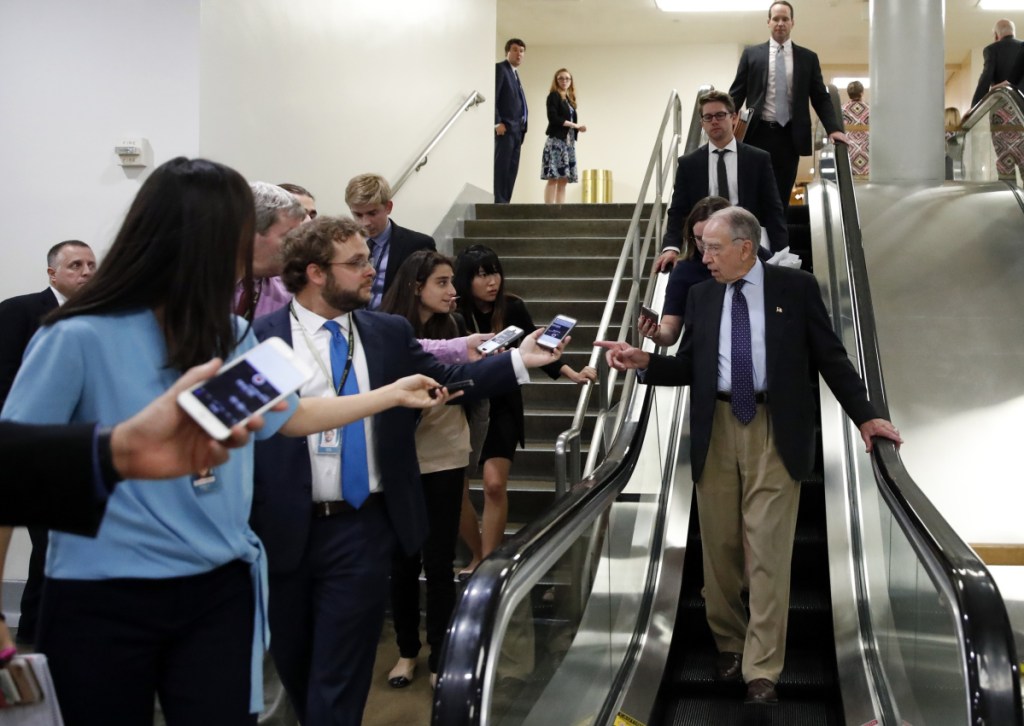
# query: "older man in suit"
368,197
69,265
776,80
751,338
329,542
1003,60
510,117
726,168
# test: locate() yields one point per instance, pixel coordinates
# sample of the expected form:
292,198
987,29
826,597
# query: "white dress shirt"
768,114
309,328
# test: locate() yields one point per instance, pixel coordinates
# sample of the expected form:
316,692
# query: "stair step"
559,211
563,266
576,228
557,288
518,245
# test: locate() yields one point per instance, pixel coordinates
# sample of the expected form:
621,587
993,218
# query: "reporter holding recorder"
174,582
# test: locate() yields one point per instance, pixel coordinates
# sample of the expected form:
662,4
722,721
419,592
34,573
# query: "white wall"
622,93
319,91
71,82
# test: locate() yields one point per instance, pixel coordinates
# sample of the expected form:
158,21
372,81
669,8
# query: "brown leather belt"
761,397
339,506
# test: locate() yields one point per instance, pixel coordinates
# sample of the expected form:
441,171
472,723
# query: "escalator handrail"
989,645
459,690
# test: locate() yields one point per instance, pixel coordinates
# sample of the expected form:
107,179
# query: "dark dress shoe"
729,666
761,690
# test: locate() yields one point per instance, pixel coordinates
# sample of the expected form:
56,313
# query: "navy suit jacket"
19,320
509,107
403,243
1003,62
60,493
751,85
758,193
798,338
282,498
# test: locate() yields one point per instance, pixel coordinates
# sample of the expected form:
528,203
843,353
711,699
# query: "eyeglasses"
720,116
357,265
712,248
563,78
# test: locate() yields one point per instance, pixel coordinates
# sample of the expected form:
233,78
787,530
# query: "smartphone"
453,387
506,337
245,387
649,313
560,327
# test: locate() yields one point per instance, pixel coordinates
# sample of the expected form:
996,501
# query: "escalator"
592,614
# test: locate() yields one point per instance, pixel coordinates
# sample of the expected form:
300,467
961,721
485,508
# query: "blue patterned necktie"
355,477
743,404
781,88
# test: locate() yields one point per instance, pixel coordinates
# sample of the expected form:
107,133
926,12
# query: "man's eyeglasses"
712,248
357,265
720,116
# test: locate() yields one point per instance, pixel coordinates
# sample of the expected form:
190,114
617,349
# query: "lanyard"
316,353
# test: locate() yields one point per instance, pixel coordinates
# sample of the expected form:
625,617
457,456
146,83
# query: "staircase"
559,259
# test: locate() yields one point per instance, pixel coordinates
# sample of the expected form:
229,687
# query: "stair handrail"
662,169
473,99
994,696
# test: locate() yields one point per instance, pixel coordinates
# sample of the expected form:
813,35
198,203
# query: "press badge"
329,442
203,481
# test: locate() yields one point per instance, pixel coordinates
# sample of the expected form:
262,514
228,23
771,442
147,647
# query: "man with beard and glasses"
331,508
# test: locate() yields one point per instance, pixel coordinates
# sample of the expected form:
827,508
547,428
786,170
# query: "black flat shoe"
402,679
399,681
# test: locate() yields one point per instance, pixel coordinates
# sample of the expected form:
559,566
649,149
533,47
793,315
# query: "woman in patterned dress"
558,163
856,120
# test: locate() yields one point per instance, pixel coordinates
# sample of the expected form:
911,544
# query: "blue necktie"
743,404
355,477
781,88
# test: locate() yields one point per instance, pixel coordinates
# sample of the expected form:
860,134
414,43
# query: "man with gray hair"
751,339
1001,59
277,214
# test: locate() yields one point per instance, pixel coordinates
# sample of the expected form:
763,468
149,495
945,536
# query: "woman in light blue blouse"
170,597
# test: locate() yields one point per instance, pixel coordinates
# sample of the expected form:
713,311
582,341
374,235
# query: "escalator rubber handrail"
458,694
990,650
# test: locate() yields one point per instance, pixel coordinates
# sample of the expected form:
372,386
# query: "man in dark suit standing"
777,79
69,265
330,508
510,116
1003,60
725,168
750,341
368,197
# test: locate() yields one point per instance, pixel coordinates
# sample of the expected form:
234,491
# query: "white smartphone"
245,387
506,337
560,327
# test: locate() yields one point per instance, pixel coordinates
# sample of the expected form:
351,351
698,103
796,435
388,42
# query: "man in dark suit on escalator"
751,339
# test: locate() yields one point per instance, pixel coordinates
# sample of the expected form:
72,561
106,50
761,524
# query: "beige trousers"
745,489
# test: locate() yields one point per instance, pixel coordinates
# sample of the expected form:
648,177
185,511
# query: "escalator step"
711,712
806,674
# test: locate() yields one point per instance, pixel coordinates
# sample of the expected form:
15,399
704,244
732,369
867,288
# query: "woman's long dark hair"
470,261
401,298
701,212
184,239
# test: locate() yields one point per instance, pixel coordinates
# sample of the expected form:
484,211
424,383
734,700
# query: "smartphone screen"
264,375
556,331
505,337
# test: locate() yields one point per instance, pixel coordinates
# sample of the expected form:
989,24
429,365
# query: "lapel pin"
778,310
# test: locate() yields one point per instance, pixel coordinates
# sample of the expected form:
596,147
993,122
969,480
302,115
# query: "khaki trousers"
746,490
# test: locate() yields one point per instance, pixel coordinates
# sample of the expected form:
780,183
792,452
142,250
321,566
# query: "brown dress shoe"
761,690
729,666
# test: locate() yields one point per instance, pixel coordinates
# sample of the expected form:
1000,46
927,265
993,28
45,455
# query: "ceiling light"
1001,4
703,6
